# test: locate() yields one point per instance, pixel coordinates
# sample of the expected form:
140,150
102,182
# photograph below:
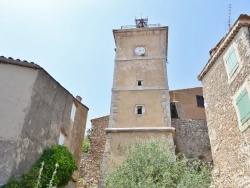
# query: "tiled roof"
242,21
18,62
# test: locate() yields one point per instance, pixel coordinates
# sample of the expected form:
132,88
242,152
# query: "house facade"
226,88
36,112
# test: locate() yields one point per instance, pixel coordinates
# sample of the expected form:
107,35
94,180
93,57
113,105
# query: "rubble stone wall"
91,162
191,138
230,147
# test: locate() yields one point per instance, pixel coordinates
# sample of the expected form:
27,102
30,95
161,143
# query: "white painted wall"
15,93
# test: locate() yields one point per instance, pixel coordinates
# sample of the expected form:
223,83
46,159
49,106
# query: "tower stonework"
140,95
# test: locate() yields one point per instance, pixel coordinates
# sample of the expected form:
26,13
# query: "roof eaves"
24,63
242,21
18,62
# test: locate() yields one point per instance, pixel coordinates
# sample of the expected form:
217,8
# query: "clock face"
140,50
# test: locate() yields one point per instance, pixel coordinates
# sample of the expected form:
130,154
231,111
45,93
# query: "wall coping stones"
141,129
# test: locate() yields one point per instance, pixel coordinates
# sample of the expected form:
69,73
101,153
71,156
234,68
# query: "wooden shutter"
232,63
243,104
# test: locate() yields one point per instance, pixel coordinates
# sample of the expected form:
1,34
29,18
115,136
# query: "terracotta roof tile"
18,62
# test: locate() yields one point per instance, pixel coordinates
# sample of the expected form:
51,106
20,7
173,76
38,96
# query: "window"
173,111
231,62
139,82
139,109
243,104
73,112
61,139
200,100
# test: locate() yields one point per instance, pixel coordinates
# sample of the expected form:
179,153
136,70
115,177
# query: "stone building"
142,105
226,88
187,103
189,120
36,112
140,95
190,138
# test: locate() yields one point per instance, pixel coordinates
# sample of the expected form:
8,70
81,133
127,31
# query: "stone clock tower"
140,95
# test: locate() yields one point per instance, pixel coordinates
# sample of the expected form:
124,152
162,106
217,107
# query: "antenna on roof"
229,16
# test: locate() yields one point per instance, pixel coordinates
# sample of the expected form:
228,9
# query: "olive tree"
151,164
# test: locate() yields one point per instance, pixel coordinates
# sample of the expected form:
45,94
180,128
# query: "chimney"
79,98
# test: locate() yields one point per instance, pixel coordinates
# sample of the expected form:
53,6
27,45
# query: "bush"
85,147
55,155
151,164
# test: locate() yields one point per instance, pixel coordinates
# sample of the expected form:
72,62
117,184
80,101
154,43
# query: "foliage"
56,154
85,147
12,183
81,180
151,164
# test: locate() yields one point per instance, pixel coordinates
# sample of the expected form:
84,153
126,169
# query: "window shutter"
243,104
232,62
246,103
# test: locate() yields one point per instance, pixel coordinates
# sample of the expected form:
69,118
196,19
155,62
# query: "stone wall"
91,163
191,139
41,110
230,147
48,114
15,100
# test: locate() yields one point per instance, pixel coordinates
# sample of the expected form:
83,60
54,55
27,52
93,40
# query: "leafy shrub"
12,183
55,155
151,164
85,147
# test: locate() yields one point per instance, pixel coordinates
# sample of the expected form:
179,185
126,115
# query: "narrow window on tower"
139,109
139,82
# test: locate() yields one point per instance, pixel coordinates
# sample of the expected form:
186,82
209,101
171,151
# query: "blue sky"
73,40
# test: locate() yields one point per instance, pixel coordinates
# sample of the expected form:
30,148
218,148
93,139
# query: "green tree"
151,164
